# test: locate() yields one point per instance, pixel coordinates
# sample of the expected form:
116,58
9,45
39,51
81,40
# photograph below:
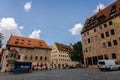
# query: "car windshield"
102,63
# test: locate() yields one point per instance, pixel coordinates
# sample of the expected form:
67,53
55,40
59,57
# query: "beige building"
101,35
28,50
59,56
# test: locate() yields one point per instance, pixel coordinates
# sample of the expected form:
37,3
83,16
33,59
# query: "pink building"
28,50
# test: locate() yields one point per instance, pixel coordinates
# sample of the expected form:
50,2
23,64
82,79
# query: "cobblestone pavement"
69,74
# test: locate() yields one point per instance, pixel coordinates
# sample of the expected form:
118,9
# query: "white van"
108,65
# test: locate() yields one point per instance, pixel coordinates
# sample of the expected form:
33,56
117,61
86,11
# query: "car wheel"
100,69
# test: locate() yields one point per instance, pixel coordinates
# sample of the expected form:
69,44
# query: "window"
109,44
106,56
100,27
112,14
8,48
7,65
45,58
88,33
86,49
101,18
112,32
102,35
89,48
85,42
18,56
100,57
40,57
94,30
16,42
92,39
107,34
110,22
84,34
88,40
96,37
114,56
115,42
104,45
89,61
31,57
6,56
105,25
22,39
25,56
36,57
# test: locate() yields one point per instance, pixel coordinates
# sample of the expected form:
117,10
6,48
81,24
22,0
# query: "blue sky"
49,20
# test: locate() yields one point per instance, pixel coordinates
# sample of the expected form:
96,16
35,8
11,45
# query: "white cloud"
76,29
9,27
99,6
27,6
35,34
21,27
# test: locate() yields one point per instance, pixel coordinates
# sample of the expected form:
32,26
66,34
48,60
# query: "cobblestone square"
69,74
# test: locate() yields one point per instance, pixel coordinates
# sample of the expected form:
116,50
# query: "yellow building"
101,35
29,50
59,56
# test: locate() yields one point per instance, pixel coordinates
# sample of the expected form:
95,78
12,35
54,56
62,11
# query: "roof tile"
27,42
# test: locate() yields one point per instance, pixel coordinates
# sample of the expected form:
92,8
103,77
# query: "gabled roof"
63,47
18,41
93,20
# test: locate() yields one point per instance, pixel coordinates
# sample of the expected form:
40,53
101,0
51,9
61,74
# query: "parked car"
108,65
22,67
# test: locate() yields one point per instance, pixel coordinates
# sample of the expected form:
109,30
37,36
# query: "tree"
1,38
76,54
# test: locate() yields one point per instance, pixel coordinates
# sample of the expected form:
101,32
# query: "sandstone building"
28,50
101,35
59,56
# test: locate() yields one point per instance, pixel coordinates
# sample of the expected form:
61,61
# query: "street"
69,74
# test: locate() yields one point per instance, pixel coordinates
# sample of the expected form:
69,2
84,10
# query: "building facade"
29,50
59,56
101,35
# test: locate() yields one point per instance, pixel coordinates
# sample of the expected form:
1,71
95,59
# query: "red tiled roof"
18,41
93,22
63,47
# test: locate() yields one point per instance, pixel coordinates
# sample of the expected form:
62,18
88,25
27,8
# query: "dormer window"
22,40
22,43
40,45
29,41
112,14
112,10
28,44
101,18
113,6
16,42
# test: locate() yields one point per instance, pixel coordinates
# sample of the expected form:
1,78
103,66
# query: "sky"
50,20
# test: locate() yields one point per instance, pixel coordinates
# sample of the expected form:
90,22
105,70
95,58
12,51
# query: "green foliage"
76,54
1,38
